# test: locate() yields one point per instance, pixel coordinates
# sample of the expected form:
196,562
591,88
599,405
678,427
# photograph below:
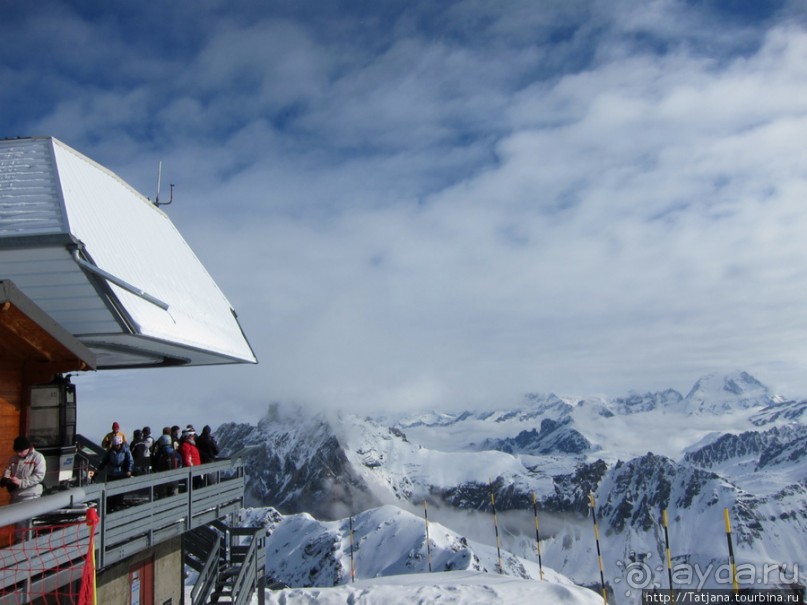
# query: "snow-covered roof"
108,264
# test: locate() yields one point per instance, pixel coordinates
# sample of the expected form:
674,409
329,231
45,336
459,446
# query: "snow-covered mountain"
297,463
389,542
723,394
553,437
635,403
784,411
728,444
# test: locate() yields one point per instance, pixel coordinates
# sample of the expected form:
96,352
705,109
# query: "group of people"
174,448
24,474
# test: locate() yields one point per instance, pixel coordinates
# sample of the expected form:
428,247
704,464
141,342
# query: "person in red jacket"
190,453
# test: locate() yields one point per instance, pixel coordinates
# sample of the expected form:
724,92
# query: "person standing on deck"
106,443
140,453
119,463
25,472
208,446
188,450
23,478
190,453
119,460
149,440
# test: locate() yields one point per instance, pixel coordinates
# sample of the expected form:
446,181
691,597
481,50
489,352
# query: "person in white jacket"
23,476
25,472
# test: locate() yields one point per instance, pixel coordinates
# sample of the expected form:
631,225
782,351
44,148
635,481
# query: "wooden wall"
11,403
33,350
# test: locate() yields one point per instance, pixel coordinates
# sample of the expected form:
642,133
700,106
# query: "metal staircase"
229,561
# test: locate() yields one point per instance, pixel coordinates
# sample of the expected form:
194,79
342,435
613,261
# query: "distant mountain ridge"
711,394
553,437
636,403
763,446
729,443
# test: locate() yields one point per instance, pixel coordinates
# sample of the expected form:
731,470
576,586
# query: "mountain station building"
95,277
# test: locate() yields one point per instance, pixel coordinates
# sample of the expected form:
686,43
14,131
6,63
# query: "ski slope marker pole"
669,556
593,506
537,535
731,551
496,527
428,542
352,565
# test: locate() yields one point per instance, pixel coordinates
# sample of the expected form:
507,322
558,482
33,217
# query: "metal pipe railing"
22,511
146,519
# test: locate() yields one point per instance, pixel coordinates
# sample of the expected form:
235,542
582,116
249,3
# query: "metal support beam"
94,269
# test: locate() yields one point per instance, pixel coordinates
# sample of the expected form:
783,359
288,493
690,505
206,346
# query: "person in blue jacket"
119,463
118,460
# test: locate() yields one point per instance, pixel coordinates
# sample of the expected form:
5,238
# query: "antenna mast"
159,179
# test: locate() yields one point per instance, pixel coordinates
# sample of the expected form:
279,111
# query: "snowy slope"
391,563
302,551
453,587
391,463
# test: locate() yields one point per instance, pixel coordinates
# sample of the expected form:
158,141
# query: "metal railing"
135,514
252,556
230,562
140,512
203,548
241,567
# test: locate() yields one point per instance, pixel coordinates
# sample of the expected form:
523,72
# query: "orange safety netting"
50,564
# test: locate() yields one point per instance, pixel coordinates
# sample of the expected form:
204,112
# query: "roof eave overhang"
20,316
123,351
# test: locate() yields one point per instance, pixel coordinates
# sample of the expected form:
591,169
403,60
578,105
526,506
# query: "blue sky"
448,204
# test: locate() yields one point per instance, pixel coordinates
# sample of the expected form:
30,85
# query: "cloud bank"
417,205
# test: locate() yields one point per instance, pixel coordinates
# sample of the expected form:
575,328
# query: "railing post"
152,499
189,488
260,563
101,544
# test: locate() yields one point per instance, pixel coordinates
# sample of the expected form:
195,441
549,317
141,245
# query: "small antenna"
157,201
159,178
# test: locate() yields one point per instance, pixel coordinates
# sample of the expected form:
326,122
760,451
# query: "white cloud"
443,219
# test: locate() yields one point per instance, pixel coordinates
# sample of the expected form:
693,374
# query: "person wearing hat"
188,449
149,440
118,459
207,444
190,453
23,478
25,472
119,463
140,453
208,450
176,435
106,443
166,458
